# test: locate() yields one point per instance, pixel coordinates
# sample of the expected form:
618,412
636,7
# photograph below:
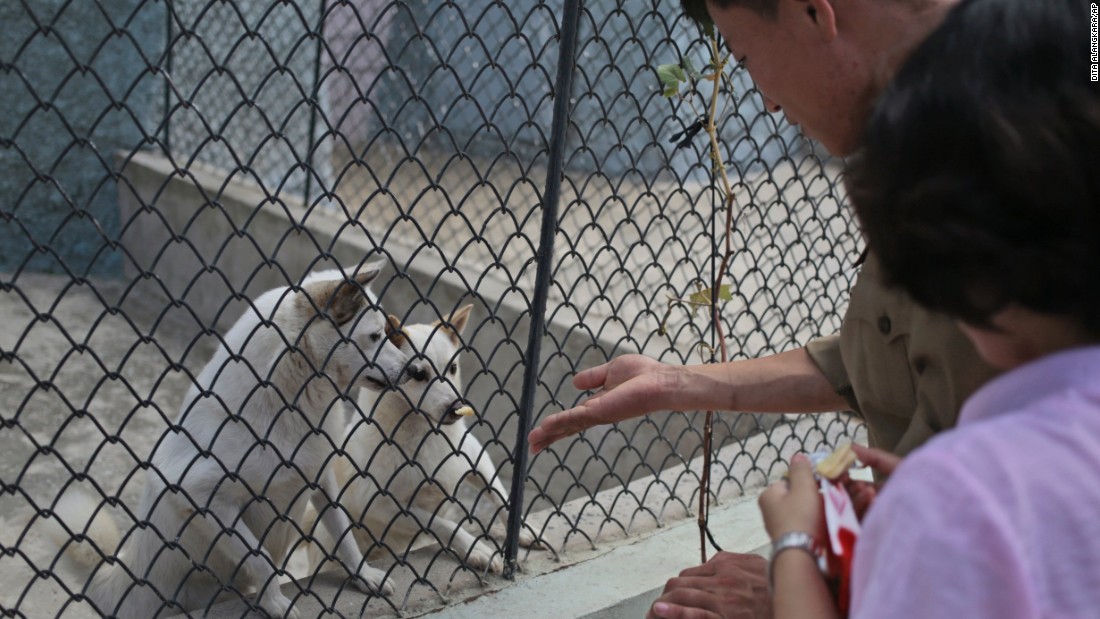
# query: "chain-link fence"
166,162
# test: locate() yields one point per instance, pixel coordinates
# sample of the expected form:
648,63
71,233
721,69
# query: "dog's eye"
374,337
453,369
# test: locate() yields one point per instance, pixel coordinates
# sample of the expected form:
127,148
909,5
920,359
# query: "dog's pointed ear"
342,300
394,332
366,274
455,323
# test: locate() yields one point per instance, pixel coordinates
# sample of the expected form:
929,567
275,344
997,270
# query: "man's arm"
635,385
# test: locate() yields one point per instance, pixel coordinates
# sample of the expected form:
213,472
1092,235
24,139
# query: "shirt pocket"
874,345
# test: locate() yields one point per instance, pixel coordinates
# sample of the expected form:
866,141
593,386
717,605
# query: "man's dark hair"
697,9
978,184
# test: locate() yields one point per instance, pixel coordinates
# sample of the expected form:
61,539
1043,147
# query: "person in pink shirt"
978,186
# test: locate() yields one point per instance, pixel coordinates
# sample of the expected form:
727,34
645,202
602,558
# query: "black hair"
978,183
697,9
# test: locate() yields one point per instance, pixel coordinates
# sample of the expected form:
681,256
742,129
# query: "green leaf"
702,297
670,75
690,68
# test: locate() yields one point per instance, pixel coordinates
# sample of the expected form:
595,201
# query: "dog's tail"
121,575
89,541
82,530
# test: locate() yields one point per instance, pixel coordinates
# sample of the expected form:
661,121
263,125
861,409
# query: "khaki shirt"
906,371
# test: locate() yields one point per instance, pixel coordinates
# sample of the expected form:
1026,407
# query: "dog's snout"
417,372
401,378
456,410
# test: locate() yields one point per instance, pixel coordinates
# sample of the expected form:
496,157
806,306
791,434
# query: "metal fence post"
550,198
166,73
314,105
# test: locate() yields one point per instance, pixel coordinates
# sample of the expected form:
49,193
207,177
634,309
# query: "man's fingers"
706,569
542,437
558,426
734,567
685,604
748,562
538,439
591,378
713,583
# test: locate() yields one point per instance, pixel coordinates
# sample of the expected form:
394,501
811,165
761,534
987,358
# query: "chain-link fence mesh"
166,162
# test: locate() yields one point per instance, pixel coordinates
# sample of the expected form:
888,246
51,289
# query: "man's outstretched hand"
625,387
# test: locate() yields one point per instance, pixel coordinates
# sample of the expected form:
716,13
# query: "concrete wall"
475,75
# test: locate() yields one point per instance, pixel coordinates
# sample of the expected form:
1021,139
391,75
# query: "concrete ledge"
624,581
611,557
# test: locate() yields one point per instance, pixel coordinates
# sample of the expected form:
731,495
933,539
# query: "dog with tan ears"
252,445
411,451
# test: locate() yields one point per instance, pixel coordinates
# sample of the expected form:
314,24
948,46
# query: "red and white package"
841,521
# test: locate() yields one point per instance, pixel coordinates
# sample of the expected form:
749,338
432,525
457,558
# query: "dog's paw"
277,605
372,580
498,531
527,538
482,557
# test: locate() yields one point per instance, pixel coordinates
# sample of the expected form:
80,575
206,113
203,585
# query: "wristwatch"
795,540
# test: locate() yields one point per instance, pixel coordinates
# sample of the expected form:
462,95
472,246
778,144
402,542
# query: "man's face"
818,82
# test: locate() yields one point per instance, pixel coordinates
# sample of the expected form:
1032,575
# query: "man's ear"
821,15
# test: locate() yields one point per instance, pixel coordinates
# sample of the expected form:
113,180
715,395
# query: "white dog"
231,479
412,449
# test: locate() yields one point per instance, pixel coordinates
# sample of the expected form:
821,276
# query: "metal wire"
165,162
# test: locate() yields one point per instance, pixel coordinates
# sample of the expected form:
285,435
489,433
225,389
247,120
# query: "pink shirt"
1000,517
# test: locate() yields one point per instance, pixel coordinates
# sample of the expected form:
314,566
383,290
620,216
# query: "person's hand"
793,504
883,462
728,586
863,493
628,386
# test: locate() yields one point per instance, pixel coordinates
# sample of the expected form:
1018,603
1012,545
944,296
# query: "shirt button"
884,325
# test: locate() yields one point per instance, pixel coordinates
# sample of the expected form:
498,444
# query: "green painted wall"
77,84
